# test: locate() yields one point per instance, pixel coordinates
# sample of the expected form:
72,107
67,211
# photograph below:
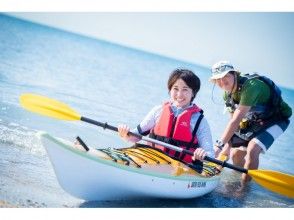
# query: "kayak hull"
91,178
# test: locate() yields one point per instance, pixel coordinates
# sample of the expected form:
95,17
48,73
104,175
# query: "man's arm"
234,122
232,126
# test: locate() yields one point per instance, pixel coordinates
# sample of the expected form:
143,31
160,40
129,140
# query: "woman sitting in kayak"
178,121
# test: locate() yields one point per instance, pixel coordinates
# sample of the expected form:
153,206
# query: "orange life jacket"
177,131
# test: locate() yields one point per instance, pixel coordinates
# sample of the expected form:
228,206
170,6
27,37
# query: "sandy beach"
4,204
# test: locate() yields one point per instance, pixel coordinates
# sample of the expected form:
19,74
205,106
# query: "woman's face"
226,83
181,94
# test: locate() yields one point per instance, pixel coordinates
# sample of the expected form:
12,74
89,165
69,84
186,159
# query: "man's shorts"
265,138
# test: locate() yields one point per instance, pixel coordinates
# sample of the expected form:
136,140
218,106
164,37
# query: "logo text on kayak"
197,185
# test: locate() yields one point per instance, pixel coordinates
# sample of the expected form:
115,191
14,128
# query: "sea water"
109,83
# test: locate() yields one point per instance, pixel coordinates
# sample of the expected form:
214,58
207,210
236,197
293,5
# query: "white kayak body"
90,177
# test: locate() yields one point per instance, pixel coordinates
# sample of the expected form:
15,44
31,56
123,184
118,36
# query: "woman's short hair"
188,77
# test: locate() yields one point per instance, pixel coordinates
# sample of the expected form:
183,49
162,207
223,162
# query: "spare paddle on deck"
275,181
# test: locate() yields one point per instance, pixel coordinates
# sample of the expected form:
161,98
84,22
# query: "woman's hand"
123,131
199,154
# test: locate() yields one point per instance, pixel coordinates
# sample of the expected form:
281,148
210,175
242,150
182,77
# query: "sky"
261,42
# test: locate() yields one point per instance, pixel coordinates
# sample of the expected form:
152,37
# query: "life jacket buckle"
244,123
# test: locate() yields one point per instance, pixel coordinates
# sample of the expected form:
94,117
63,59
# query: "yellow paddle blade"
48,107
277,182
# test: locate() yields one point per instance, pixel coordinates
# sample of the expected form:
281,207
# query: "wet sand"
4,204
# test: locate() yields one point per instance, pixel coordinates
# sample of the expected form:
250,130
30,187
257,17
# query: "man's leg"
238,156
251,159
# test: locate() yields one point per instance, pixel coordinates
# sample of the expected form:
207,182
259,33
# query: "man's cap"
220,69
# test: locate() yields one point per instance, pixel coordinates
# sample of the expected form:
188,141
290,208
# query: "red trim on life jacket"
177,128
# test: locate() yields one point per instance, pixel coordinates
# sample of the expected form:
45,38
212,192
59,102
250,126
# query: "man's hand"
218,147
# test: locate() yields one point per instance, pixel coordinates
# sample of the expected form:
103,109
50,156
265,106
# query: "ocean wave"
14,134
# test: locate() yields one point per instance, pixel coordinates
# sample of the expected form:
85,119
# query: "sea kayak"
129,173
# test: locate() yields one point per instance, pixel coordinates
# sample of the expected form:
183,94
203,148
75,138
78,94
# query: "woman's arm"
205,138
146,125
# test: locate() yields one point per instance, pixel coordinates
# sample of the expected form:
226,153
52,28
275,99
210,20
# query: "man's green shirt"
255,92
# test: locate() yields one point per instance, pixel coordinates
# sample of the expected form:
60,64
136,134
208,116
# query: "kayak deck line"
150,153
117,155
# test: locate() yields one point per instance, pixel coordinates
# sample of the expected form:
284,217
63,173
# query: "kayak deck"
143,156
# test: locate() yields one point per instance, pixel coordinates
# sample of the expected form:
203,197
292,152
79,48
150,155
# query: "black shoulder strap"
245,77
275,96
197,126
201,116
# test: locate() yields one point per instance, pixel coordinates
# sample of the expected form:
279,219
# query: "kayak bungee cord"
141,156
135,154
116,156
149,151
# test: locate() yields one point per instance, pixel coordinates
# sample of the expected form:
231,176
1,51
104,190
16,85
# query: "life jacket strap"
193,134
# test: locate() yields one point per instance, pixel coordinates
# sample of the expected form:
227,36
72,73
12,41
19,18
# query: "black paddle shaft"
107,126
218,162
225,164
221,163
